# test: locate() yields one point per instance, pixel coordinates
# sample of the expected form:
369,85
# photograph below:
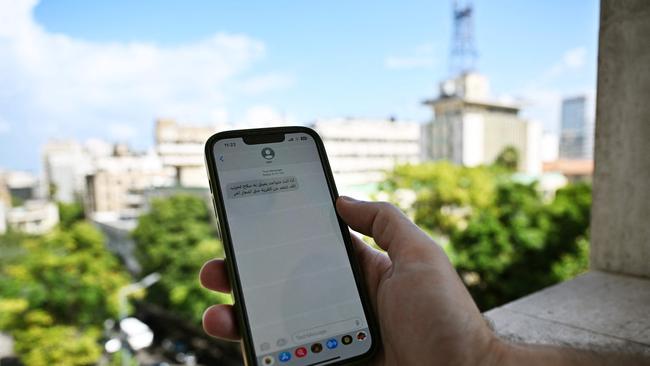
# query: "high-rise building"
361,151
577,128
469,129
181,148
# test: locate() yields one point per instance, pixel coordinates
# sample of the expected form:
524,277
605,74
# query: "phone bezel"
231,262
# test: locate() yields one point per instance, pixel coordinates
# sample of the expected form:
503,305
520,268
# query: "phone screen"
301,299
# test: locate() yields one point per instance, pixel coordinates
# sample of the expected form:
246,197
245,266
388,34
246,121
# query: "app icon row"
317,347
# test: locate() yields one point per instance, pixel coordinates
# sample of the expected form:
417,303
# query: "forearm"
534,355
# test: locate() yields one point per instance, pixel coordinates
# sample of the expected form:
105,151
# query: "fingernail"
348,199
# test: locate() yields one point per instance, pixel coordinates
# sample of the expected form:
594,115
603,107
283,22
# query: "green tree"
508,158
503,237
446,194
55,293
174,239
500,253
69,213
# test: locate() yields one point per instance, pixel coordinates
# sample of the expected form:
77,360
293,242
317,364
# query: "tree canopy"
503,237
56,290
174,239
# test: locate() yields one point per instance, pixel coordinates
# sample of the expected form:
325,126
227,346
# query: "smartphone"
298,289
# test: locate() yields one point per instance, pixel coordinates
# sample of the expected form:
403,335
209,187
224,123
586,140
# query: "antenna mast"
463,51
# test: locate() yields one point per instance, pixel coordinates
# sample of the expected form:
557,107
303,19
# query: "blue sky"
82,69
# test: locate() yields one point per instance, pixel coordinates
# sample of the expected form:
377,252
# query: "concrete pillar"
620,232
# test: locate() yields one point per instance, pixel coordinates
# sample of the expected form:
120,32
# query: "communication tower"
463,51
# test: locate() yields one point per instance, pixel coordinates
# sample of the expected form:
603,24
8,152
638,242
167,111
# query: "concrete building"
21,185
550,146
181,148
5,196
66,164
3,217
577,128
575,170
116,185
360,151
34,217
469,129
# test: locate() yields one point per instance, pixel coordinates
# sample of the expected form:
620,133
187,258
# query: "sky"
73,69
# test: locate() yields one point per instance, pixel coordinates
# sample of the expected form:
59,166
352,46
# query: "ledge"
596,311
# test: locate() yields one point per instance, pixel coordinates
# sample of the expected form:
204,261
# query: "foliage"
508,158
17,201
55,292
57,345
174,239
504,238
446,194
69,213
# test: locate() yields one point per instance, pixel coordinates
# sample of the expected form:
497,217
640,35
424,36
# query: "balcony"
608,308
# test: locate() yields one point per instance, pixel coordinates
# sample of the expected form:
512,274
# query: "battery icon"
303,138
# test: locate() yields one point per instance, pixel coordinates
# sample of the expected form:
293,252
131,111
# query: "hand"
426,315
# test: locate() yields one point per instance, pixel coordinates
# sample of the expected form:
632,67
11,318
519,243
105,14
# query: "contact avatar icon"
268,153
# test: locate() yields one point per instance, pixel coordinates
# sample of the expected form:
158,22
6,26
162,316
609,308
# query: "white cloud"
573,59
419,57
265,116
121,131
265,83
57,83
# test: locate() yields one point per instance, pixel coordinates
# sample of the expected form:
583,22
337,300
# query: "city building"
5,196
574,169
550,146
33,217
577,128
66,164
5,204
116,185
21,186
181,148
470,129
361,151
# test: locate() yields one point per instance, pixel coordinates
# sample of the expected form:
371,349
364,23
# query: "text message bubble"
262,186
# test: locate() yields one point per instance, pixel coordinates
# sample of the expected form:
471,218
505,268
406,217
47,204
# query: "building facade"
181,148
577,128
115,188
469,129
66,164
361,151
33,217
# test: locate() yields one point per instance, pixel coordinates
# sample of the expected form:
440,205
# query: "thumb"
390,228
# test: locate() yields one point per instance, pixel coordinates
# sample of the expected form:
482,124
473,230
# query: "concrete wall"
621,208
